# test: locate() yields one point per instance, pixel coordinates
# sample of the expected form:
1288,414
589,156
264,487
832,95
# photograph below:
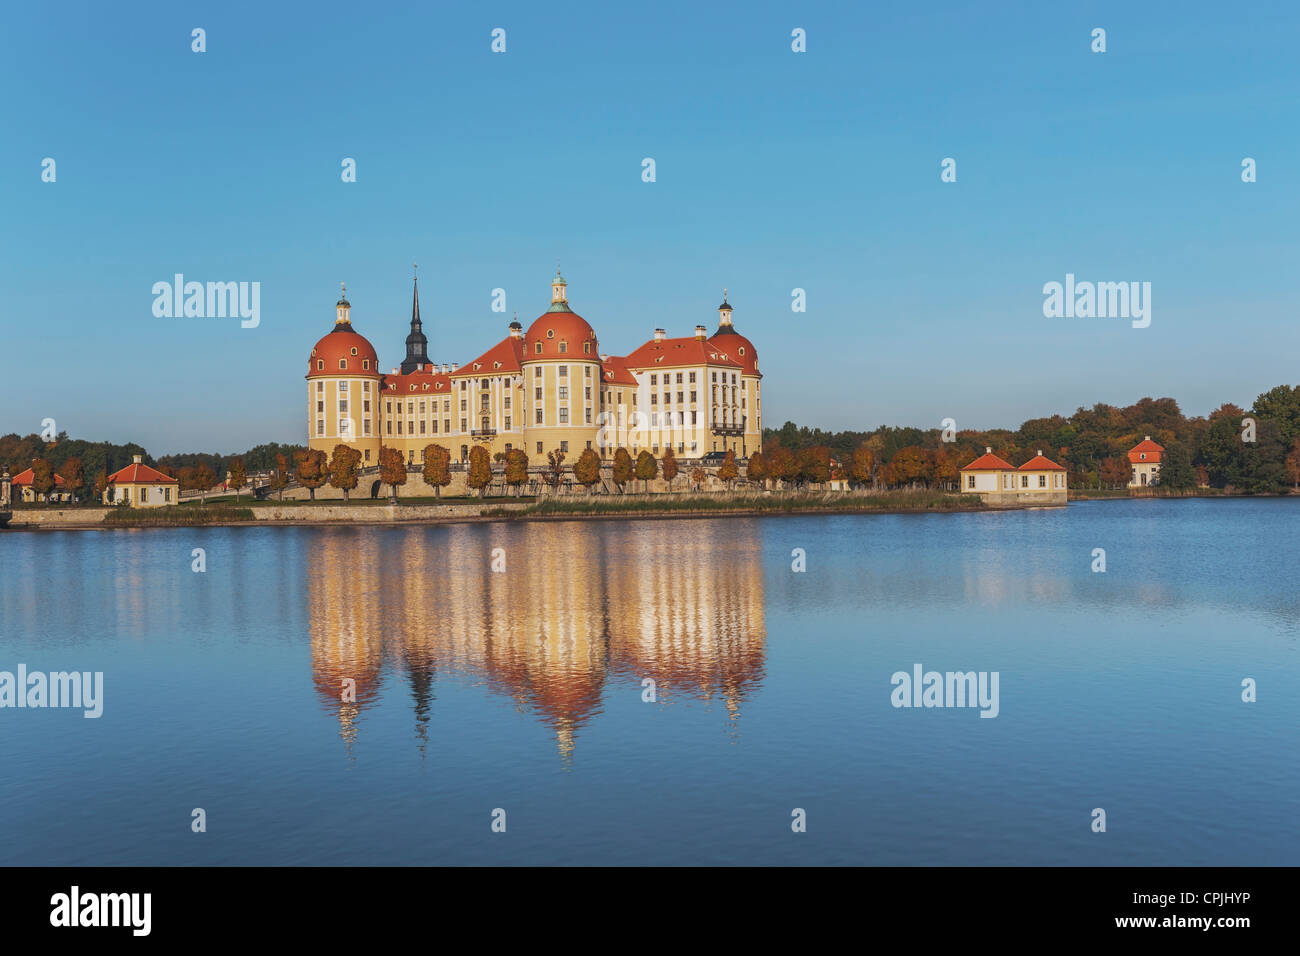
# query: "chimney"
604,356
454,366
988,449
659,335
1040,453
1148,438
701,333
419,367
136,459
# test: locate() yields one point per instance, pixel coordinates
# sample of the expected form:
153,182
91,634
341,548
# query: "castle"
546,389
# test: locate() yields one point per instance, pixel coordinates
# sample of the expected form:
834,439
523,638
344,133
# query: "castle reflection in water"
581,606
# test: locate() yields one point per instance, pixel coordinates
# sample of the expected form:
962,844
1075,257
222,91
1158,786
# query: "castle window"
741,350
564,416
564,391
538,349
354,350
586,347
564,371
539,419
539,448
564,347
343,363
320,365
507,428
550,333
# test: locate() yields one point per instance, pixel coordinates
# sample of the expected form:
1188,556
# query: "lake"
521,690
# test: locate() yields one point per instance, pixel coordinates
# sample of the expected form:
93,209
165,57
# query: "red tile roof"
421,381
989,462
136,472
505,356
25,478
1039,463
1145,447
614,371
672,353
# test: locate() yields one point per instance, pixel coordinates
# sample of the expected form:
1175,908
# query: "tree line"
1252,451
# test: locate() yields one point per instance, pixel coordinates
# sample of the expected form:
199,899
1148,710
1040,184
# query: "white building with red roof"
139,486
1144,457
1039,481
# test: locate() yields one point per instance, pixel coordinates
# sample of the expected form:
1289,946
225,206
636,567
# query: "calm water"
522,691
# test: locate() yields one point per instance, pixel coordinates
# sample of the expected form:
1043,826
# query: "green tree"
646,469
480,469
624,470
586,470
345,469
1280,404
437,468
1176,471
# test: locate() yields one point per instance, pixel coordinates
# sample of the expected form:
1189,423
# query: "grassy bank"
176,516
762,504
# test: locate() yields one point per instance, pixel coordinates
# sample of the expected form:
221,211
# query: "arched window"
564,347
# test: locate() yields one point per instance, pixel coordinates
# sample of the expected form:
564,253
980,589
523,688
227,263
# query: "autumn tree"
912,465
554,468
783,465
279,476
516,468
1115,472
862,469
699,476
43,481
946,469
203,479
646,469
669,466
74,476
392,470
101,485
1293,464
237,476
437,468
727,471
814,465
345,469
311,469
586,470
756,470
480,469
624,470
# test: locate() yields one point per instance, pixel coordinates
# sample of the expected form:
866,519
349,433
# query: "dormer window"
354,350
365,363
343,363
550,333
538,348
586,347
742,350
564,347
320,365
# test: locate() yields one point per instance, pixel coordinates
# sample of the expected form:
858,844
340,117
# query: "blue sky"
775,170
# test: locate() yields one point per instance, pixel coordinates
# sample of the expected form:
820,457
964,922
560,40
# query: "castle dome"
343,349
559,332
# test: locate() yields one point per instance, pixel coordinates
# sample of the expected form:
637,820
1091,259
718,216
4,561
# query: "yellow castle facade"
548,388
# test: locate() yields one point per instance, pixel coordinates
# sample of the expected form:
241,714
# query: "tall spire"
417,344
724,316
342,316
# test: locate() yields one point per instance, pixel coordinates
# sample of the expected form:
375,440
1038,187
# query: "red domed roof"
343,344
737,348
553,328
